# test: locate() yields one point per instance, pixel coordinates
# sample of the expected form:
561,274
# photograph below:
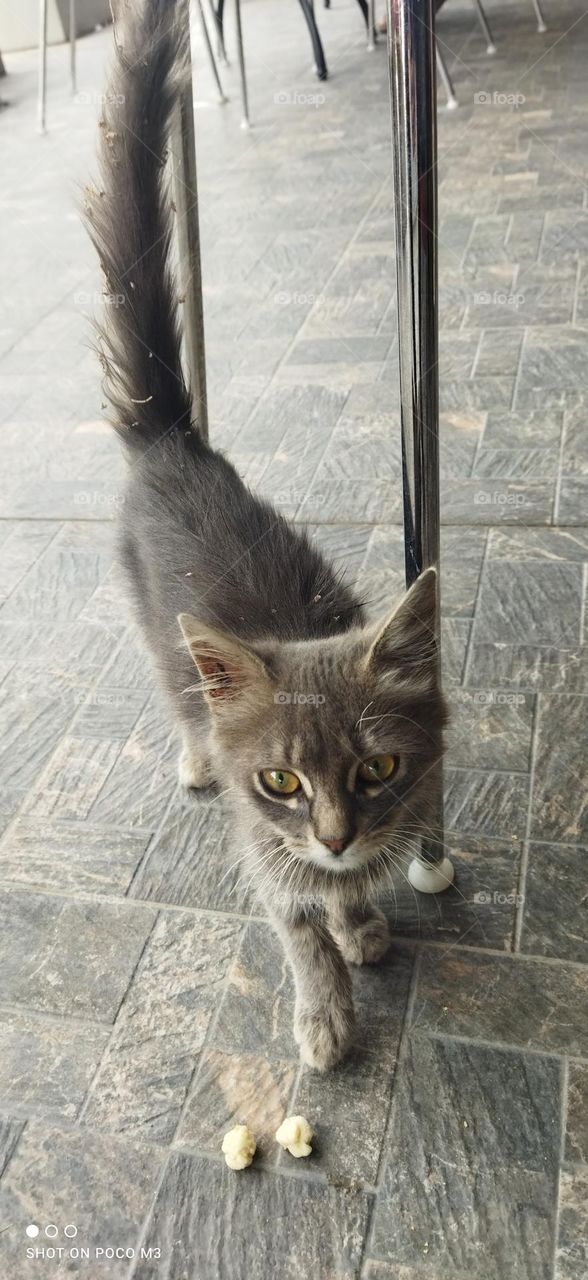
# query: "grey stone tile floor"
144,1003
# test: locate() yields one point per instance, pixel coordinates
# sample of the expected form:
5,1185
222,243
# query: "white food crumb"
295,1136
239,1147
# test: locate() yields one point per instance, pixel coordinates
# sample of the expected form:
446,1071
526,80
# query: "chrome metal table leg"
411,51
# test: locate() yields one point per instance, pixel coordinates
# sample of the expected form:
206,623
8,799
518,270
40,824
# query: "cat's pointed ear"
405,642
228,668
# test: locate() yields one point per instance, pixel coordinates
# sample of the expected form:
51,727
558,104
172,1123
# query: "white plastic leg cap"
428,878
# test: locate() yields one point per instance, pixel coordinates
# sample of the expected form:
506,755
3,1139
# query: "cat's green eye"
280,781
377,768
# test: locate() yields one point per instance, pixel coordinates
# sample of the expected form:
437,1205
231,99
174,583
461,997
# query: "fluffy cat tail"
129,220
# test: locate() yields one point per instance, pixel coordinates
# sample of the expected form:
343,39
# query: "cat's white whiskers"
359,723
220,795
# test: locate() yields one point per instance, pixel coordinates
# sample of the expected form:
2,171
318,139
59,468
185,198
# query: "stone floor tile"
497,501
237,1088
572,1245
103,1186
528,666
455,634
21,547
194,860
539,430
559,809
10,1132
263,1213
145,1074
524,1002
73,777
489,729
576,1148
479,1129
532,602
572,502
538,544
498,352
66,957
70,857
138,789
554,916
462,553
487,803
47,1064
255,1015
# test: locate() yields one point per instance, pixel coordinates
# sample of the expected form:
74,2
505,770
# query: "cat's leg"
359,929
194,765
323,1019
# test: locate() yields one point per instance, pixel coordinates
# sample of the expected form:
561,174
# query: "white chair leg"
541,23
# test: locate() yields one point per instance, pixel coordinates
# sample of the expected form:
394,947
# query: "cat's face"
330,743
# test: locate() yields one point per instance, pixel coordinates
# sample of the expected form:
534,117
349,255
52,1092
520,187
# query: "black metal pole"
411,51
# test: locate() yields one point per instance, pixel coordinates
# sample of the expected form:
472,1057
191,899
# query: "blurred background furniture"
19,22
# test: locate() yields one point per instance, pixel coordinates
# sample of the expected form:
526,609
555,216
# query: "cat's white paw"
324,1034
194,770
365,943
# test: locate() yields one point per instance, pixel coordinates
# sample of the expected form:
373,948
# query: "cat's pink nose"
336,846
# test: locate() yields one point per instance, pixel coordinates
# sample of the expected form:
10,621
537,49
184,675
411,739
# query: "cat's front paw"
324,1033
364,943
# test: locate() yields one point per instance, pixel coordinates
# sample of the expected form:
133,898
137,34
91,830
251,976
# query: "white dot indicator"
32,1230
51,1230
70,1230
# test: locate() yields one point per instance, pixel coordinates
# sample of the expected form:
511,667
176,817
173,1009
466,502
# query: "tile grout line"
409,939
559,476
470,643
400,1057
114,1025
504,1046
520,910
209,1033
273,383
562,1150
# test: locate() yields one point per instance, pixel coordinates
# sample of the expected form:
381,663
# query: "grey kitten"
325,729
